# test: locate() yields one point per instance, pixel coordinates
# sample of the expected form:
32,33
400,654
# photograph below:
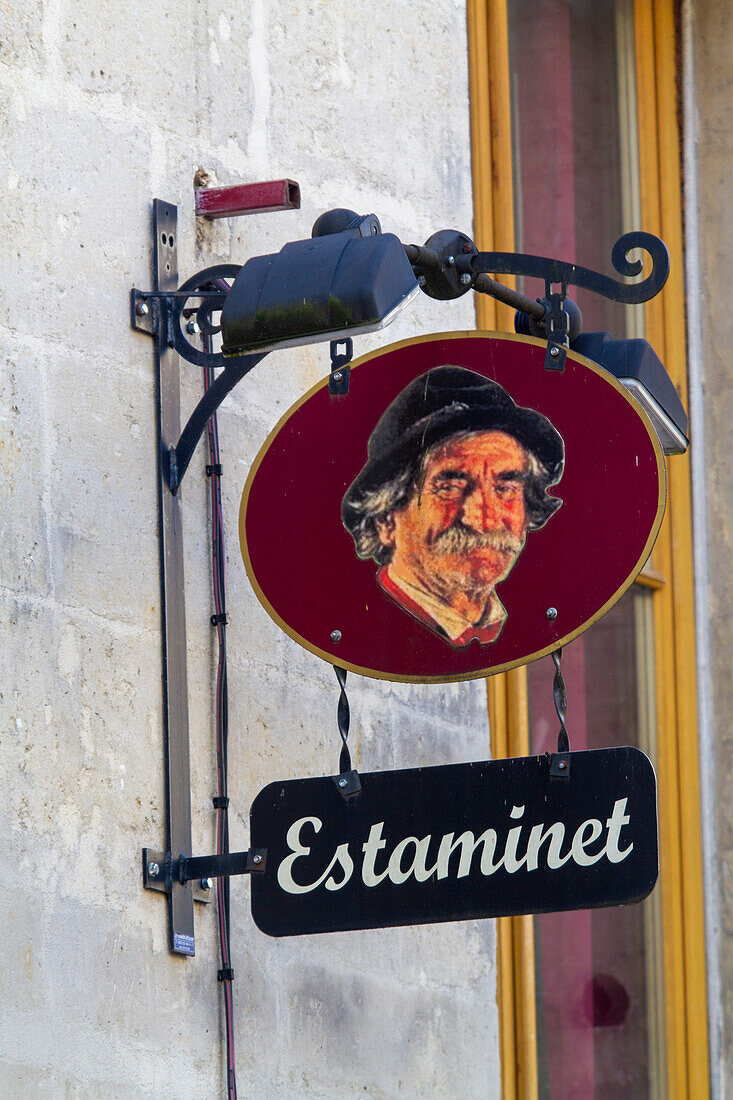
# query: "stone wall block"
24,443
21,37
143,61
106,108
76,225
346,1016
103,509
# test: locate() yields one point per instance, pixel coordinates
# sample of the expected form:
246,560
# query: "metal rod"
223,866
484,284
209,403
560,698
428,259
422,257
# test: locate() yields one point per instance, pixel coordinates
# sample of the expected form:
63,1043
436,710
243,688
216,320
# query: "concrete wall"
106,106
709,35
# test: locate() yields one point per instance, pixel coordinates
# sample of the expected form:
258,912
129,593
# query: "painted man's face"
465,526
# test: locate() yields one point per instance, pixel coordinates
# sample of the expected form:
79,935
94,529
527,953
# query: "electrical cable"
221,803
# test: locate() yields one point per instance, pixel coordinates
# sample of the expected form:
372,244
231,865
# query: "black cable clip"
214,470
338,383
222,619
225,975
221,802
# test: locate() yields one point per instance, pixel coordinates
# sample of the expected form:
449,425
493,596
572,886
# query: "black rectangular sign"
424,845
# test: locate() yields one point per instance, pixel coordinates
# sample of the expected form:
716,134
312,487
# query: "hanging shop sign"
455,842
460,511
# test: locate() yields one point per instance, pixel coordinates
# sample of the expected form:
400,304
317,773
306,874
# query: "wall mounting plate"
158,881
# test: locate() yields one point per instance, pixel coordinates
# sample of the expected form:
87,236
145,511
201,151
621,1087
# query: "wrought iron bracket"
169,319
450,264
169,313
567,274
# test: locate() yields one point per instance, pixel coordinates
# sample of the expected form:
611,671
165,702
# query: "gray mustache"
458,539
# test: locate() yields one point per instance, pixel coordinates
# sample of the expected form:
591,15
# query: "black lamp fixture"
634,363
638,367
350,279
347,280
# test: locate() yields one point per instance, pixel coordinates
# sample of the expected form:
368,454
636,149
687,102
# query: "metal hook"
560,762
347,781
338,383
556,323
561,702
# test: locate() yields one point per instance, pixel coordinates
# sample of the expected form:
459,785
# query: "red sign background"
301,559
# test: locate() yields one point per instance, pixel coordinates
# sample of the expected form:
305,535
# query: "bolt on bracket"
161,870
155,878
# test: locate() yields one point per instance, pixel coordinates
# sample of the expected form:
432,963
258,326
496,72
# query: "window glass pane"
599,972
576,175
575,143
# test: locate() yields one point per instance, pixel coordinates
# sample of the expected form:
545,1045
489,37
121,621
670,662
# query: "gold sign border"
472,334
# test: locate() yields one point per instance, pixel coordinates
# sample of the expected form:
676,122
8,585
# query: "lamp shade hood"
326,287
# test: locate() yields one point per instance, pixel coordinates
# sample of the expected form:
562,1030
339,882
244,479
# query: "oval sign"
461,511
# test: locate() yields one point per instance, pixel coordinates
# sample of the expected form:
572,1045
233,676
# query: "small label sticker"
185,945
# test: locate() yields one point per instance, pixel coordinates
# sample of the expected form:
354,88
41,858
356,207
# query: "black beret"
439,404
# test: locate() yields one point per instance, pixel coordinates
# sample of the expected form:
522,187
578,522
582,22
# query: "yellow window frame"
671,581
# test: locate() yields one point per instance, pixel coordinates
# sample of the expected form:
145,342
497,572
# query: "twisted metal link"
343,714
561,702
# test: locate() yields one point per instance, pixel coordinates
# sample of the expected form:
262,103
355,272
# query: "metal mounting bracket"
151,314
155,877
449,264
162,314
162,872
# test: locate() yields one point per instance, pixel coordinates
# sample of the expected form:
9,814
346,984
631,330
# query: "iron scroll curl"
210,287
560,271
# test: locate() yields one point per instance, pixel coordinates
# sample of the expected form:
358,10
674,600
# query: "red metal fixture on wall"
247,198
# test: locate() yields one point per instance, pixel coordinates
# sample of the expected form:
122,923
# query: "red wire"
221,720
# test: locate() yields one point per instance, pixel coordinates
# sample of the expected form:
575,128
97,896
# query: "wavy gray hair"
375,505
